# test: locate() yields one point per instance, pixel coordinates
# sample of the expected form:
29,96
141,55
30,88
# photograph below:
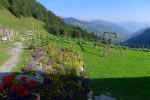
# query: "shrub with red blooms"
23,79
33,83
8,79
1,87
12,87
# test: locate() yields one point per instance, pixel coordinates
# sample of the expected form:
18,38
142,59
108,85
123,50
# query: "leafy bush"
59,87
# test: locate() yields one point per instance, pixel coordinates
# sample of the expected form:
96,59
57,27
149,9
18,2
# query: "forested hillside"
141,39
53,24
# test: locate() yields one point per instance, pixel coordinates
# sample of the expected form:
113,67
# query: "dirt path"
15,52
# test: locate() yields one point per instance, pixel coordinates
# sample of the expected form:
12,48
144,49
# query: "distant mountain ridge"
142,37
134,26
98,26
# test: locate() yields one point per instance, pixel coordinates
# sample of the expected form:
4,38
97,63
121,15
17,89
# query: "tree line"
53,24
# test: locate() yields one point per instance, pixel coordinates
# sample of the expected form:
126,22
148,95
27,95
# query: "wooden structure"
110,39
8,34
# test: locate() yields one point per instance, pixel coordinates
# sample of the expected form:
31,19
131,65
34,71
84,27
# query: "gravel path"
15,55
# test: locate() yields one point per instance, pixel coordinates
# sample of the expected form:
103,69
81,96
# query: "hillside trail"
15,53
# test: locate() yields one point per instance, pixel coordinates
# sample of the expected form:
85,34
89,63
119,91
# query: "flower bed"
52,73
13,88
52,59
47,86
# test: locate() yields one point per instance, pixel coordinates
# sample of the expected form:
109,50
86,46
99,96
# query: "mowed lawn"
4,52
131,64
124,77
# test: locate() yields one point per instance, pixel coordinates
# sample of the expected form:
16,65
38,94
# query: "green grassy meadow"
124,77
4,51
7,20
3,57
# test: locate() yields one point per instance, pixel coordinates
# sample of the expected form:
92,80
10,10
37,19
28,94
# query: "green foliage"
4,55
5,3
39,39
64,88
25,55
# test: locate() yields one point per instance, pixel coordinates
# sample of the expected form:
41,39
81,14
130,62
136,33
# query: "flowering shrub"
52,59
61,72
53,87
13,88
64,59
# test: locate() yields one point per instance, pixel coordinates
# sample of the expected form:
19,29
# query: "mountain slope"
134,26
98,26
53,24
142,38
8,20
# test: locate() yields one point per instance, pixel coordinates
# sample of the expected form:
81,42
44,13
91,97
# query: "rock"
81,68
31,62
90,95
4,39
37,67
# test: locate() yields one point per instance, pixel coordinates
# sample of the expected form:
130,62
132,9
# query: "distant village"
7,34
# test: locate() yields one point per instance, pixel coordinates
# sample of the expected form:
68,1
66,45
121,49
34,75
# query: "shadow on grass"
123,88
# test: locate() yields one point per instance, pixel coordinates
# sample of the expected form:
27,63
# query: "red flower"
23,79
21,94
26,92
8,79
33,83
12,88
19,88
1,87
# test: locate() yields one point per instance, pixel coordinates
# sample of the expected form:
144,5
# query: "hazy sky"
110,10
